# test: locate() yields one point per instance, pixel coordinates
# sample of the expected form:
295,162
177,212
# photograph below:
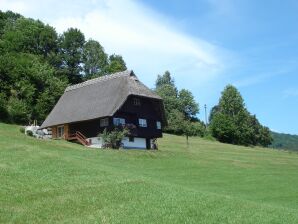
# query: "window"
60,131
118,121
131,139
143,123
136,102
104,122
158,125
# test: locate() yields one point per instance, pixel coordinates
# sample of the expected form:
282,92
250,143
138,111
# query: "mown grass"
60,182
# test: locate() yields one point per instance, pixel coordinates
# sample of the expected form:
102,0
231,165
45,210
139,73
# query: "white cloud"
149,42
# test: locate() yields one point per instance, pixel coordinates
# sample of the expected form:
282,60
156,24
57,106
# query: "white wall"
139,143
95,142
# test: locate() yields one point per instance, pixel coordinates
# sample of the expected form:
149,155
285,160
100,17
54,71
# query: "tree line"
229,120
37,63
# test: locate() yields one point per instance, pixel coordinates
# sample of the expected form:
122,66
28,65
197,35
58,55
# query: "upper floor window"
143,123
104,122
158,124
118,121
136,102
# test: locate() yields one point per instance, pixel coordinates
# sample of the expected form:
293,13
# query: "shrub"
22,130
112,139
29,133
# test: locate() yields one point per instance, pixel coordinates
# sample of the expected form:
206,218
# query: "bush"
22,130
29,133
112,139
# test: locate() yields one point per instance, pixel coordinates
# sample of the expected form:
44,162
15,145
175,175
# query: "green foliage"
188,104
231,102
116,64
29,133
223,128
71,48
95,60
31,81
6,18
36,64
18,110
213,111
112,139
22,130
230,121
180,108
164,79
30,36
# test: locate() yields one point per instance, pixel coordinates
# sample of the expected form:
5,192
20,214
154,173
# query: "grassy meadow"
59,182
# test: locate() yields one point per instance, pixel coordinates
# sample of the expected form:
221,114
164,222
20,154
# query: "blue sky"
205,44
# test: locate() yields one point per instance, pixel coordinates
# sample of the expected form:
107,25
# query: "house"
86,109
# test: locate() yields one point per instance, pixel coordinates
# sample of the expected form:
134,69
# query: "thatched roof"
95,98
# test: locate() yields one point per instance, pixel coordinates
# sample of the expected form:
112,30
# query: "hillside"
56,181
284,141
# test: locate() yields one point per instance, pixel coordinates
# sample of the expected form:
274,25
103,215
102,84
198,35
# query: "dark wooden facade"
148,108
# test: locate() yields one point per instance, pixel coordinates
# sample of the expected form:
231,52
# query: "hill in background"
284,141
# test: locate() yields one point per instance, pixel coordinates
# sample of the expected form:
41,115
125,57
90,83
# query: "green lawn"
60,182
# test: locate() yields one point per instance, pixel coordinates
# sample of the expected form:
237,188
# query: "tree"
29,81
223,128
47,99
116,64
18,110
95,60
71,50
188,105
213,111
230,121
30,36
7,18
170,98
165,79
265,137
180,107
231,101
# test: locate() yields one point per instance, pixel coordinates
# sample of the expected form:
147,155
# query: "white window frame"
104,122
158,125
60,135
118,121
143,123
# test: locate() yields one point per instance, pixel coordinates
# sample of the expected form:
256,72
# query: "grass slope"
60,182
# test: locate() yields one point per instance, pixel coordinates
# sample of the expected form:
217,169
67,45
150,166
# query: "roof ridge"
99,79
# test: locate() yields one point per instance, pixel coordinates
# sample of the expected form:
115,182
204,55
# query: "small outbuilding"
86,109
